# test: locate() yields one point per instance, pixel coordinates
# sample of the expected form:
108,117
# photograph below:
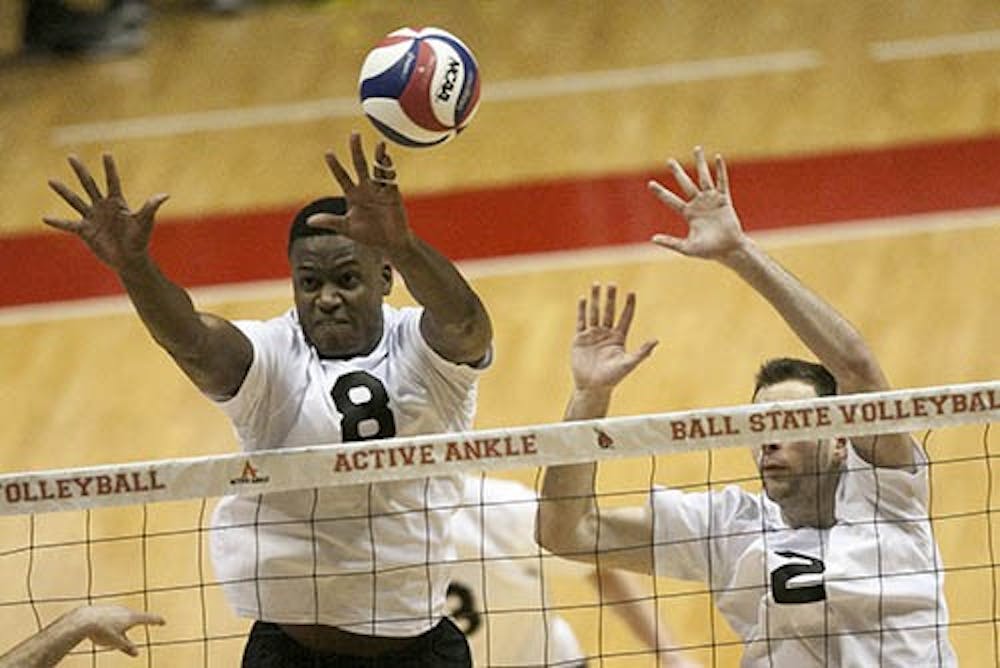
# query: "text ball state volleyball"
420,87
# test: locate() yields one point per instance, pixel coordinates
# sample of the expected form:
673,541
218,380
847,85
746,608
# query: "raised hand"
713,226
115,234
375,214
599,358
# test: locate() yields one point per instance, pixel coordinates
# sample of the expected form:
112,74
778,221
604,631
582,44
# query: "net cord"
508,448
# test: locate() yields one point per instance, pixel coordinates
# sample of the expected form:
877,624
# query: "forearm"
47,647
210,350
456,318
165,308
834,341
567,513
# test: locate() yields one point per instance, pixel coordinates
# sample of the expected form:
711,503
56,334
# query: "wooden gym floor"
864,140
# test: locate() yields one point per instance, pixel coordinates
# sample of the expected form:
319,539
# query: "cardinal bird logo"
604,440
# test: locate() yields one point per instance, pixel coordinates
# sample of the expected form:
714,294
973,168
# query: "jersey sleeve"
890,493
264,407
696,532
452,386
409,322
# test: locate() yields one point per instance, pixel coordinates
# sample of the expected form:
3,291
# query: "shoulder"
284,326
281,333
404,340
401,329
887,491
400,317
730,504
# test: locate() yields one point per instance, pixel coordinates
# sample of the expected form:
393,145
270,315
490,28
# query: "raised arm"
454,323
209,349
715,233
569,521
103,624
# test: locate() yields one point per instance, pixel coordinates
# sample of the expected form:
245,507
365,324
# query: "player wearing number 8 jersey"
334,577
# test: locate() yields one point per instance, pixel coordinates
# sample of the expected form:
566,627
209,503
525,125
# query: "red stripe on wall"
538,217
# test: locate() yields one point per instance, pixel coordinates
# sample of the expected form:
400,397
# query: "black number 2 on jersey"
784,589
372,412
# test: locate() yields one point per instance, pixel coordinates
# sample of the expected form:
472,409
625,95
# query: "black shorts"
444,646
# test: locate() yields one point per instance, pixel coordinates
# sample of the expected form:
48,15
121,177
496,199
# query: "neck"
814,506
821,518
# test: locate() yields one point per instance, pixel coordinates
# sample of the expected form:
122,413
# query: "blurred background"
863,140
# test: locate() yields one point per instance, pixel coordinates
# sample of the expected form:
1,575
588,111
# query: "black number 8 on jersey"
362,400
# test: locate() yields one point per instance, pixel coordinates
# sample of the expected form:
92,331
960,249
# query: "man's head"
339,285
781,369
800,476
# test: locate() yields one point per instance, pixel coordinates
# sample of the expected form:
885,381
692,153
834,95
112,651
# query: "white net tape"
497,449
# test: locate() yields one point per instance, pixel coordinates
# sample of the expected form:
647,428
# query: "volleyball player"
835,563
105,625
337,574
500,595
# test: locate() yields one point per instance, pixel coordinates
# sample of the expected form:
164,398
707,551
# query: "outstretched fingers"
595,304
122,642
147,618
382,157
339,173
670,242
625,321
610,304
86,180
683,180
644,351
721,175
701,166
624,324
667,197
149,209
383,172
70,197
135,618
63,224
111,176
589,311
359,159
328,221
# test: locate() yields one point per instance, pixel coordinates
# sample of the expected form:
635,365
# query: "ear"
386,278
840,450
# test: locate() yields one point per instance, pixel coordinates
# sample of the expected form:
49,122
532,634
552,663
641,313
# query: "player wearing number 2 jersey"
344,576
835,563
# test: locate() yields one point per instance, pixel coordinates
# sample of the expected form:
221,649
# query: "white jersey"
309,557
866,592
495,530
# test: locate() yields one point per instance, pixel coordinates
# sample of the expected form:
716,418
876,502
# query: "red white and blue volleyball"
420,87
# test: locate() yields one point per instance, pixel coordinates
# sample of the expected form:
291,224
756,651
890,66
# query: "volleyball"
419,87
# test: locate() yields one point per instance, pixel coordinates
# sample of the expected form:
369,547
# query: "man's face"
339,287
798,471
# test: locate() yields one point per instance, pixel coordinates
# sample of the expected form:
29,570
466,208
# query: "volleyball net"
140,534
